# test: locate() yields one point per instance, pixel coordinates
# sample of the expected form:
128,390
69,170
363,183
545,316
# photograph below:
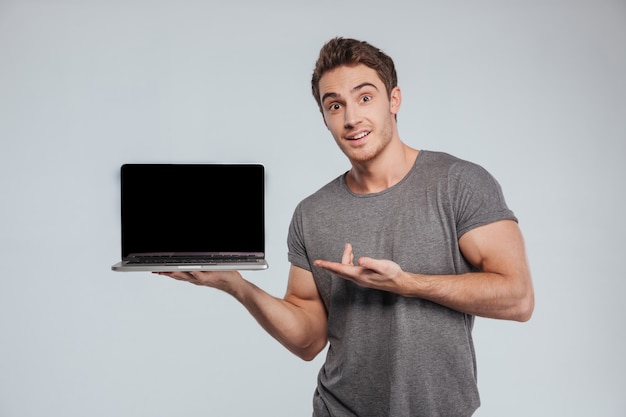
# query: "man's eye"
366,98
334,107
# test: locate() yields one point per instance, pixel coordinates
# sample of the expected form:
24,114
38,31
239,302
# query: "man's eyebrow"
332,95
363,85
357,88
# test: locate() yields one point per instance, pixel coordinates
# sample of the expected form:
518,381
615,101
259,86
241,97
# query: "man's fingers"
348,256
180,276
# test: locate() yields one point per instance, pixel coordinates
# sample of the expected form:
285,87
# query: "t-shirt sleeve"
297,253
476,197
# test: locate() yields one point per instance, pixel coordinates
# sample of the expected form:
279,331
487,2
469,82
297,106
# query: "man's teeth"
359,136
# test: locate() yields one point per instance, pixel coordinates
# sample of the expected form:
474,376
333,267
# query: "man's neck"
382,172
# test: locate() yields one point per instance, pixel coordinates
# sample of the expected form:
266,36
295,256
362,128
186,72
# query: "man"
437,246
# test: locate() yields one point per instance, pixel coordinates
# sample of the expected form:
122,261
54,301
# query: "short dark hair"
344,51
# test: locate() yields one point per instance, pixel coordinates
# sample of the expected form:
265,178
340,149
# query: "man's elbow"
308,356
524,308
309,352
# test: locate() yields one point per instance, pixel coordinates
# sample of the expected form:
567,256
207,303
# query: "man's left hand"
379,274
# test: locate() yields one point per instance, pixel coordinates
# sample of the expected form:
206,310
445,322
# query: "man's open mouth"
359,136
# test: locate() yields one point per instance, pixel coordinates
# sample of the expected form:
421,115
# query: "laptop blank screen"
192,208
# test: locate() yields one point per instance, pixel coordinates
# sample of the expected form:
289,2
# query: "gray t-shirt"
391,355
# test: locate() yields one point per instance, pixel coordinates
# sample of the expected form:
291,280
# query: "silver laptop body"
194,217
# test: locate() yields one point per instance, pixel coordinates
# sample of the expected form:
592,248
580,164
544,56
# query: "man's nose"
351,116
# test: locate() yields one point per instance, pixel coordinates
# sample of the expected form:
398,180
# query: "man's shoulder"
438,163
327,193
442,158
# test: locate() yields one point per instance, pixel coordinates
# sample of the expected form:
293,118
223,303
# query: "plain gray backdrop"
535,91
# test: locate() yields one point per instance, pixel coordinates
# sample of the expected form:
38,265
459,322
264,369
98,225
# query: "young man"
437,246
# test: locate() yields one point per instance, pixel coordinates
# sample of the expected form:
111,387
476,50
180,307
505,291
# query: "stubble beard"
370,151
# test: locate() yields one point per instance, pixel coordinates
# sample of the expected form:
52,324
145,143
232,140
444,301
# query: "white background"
535,91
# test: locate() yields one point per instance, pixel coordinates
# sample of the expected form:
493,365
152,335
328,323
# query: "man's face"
357,111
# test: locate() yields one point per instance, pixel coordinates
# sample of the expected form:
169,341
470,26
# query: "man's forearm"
294,326
482,294
298,321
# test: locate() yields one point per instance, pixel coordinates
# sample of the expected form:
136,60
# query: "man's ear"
395,100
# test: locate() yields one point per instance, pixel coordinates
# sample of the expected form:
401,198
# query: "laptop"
192,217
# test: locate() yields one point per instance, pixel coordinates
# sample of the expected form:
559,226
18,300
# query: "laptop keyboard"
164,260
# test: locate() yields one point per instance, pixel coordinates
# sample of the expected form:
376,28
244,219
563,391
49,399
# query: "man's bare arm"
502,289
298,321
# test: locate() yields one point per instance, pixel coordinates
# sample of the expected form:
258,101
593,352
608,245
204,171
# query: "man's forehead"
345,78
